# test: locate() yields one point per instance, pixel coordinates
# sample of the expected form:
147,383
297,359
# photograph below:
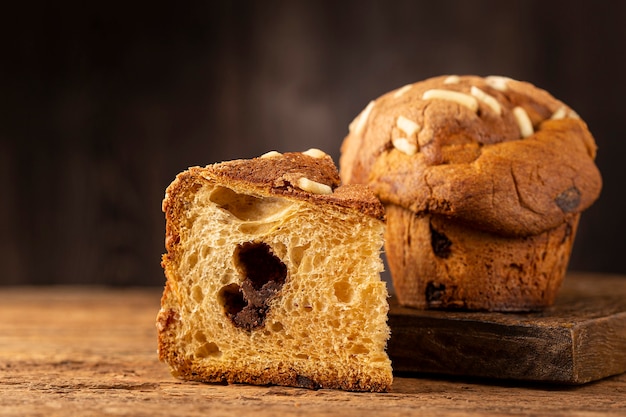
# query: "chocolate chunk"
305,382
260,297
265,275
568,200
249,318
440,243
434,292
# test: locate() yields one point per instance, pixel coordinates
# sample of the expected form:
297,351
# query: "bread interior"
326,307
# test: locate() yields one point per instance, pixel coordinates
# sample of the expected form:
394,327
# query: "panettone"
483,181
273,276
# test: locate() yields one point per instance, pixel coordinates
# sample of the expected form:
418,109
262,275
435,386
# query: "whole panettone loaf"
483,180
273,276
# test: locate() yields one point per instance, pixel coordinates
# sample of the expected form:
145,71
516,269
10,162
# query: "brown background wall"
102,104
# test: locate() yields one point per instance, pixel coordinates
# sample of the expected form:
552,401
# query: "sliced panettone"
273,276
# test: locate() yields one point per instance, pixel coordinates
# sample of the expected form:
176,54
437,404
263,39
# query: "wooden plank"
582,338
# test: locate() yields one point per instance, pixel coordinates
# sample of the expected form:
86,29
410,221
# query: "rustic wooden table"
91,351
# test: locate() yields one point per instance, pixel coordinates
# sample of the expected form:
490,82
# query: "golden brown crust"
483,180
279,175
282,374
473,165
517,188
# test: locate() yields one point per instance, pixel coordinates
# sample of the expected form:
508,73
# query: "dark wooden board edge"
580,339
599,348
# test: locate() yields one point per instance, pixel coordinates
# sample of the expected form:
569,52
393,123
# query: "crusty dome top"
311,176
498,153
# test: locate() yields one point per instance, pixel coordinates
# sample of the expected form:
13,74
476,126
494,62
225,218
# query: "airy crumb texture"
494,168
271,284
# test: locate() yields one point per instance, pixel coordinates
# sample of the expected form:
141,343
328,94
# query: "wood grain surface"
92,351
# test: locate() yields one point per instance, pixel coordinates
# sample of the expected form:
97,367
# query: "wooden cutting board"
581,338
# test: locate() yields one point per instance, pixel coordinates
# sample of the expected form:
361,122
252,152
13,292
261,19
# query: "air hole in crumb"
247,207
208,349
277,327
247,305
199,337
359,349
343,291
440,243
259,265
192,260
197,294
231,298
302,356
256,228
297,253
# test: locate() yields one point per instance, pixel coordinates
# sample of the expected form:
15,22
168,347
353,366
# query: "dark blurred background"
102,103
